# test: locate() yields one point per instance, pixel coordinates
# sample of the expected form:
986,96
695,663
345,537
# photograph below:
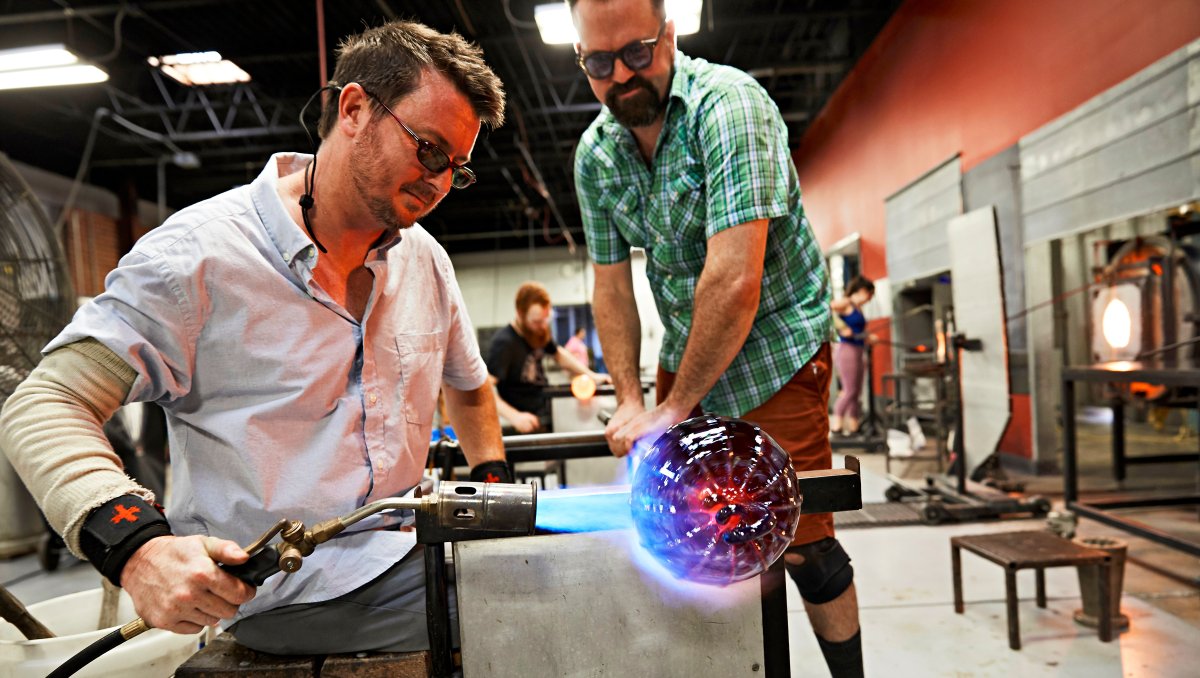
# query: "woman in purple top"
848,355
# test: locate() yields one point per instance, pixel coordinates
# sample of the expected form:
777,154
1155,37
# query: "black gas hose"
91,652
254,572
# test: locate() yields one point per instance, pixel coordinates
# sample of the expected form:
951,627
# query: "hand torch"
455,511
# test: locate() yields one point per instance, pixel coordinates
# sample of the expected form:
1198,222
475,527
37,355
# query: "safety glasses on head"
636,55
430,155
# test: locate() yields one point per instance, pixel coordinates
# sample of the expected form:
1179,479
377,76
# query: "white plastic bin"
73,618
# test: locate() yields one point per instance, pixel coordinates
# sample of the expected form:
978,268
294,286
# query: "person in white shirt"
296,332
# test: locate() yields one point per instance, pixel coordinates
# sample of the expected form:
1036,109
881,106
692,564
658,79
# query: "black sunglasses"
636,55
430,156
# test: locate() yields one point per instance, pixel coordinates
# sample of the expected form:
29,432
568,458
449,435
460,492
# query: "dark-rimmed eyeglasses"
430,155
636,55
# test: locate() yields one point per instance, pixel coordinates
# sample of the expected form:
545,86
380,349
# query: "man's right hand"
526,422
176,585
625,412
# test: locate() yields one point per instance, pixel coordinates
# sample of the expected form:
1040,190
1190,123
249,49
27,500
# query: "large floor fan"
36,301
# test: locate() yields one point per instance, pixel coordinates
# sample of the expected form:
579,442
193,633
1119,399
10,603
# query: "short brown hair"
388,62
530,294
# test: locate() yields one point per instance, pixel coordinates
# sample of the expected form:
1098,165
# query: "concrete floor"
905,595
910,628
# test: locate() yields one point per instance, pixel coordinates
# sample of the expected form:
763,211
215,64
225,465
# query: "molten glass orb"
715,500
583,387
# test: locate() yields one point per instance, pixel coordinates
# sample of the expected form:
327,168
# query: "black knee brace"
825,573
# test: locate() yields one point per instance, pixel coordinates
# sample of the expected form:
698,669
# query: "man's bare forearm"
619,327
721,322
570,363
726,302
503,408
473,414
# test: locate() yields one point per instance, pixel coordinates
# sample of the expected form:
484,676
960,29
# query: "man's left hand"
601,378
650,425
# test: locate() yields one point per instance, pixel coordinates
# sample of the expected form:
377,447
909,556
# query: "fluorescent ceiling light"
199,69
45,66
26,58
686,14
78,74
555,25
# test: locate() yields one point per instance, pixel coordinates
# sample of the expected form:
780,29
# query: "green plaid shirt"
722,160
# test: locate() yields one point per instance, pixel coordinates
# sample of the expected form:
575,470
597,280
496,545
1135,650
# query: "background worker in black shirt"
514,362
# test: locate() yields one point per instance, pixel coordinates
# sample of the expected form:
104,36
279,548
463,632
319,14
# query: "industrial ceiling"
800,50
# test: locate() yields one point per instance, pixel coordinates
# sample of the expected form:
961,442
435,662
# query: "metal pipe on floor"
14,612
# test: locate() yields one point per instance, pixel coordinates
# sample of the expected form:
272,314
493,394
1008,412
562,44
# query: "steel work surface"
578,605
1028,548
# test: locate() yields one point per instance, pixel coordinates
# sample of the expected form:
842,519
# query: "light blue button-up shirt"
279,403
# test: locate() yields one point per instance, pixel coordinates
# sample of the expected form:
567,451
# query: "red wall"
968,77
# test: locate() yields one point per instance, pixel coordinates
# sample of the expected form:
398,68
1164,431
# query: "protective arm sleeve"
51,429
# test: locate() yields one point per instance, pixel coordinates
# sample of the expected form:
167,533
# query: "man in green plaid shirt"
689,161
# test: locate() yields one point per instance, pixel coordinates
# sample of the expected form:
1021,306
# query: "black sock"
844,658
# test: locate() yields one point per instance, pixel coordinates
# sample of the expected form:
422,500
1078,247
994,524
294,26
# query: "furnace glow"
1116,324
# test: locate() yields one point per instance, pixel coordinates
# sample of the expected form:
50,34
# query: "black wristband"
116,529
492,472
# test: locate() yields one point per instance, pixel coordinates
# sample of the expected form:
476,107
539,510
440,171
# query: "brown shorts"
797,417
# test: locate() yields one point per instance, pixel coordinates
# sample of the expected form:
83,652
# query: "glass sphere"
715,500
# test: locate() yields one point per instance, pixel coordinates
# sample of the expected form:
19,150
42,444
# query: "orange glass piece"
583,387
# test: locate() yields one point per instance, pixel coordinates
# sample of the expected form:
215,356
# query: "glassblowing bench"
1102,510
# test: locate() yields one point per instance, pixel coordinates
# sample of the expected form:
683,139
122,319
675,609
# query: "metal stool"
1023,550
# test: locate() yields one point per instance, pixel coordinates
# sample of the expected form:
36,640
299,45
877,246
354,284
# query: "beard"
533,337
639,110
366,167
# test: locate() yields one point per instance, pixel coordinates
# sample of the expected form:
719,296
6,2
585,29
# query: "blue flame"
584,510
